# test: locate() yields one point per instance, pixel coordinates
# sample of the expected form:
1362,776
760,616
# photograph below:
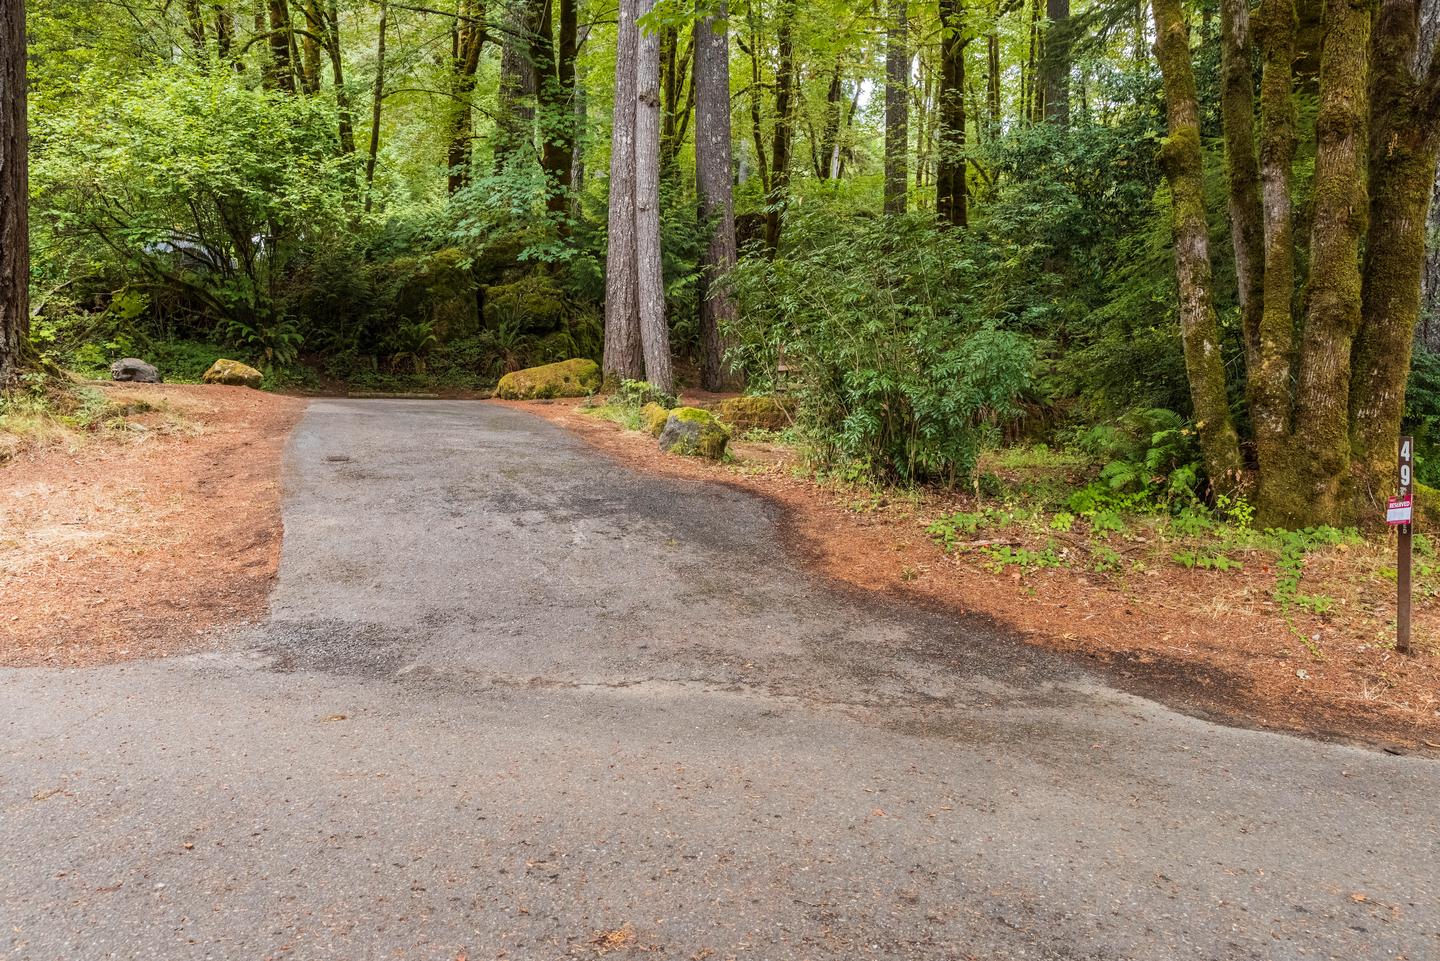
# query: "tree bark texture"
14,194
519,81
1403,146
1333,297
1055,62
623,358
467,36
779,193
713,172
1182,161
897,106
1247,227
377,100
950,166
650,292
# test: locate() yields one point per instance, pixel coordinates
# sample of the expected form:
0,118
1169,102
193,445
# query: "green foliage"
1292,548
1105,559
1022,557
1192,559
899,374
638,393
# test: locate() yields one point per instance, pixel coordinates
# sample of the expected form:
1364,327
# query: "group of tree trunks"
1326,366
637,334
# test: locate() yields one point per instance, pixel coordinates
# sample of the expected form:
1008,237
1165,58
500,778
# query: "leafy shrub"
897,372
638,393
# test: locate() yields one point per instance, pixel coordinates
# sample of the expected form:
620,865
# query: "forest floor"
1215,642
131,535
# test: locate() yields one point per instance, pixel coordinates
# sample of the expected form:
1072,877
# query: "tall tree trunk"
654,330
950,199
1404,143
519,80
678,95
1332,316
281,38
713,164
224,31
827,165
376,101
14,194
310,46
897,106
346,120
922,99
1247,229
1272,371
752,49
779,194
1181,159
1030,99
556,66
1430,298
992,75
467,36
624,358
1055,64
195,28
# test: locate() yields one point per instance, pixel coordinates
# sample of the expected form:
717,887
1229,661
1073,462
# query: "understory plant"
873,325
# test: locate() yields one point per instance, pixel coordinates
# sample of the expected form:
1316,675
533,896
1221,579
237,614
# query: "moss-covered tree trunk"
1319,483
14,194
1270,375
1404,138
1181,159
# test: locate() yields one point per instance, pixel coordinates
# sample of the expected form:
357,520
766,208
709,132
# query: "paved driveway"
516,701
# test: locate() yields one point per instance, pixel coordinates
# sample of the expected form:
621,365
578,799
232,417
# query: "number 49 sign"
1399,511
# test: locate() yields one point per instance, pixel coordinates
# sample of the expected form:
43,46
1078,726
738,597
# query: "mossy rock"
695,432
568,378
233,373
653,417
534,304
751,413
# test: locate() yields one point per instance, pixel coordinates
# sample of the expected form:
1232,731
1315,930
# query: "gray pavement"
516,701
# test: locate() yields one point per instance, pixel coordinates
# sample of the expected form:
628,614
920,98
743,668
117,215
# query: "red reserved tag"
1398,510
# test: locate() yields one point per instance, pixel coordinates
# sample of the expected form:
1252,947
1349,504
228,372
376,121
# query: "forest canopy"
938,225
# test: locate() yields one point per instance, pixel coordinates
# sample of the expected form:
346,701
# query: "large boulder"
690,430
234,373
653,418
750,413
136,370
568,378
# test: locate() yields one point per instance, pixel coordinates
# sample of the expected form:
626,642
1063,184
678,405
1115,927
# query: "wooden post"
1403,547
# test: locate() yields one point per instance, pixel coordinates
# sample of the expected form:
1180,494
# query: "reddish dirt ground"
1211,644
134,544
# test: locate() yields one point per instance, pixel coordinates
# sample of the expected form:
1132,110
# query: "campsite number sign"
1399,512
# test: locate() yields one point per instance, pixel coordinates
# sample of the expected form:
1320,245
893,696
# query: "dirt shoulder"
137,540
1210,643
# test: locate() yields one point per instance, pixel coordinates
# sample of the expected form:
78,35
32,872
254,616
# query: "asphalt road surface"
516,701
